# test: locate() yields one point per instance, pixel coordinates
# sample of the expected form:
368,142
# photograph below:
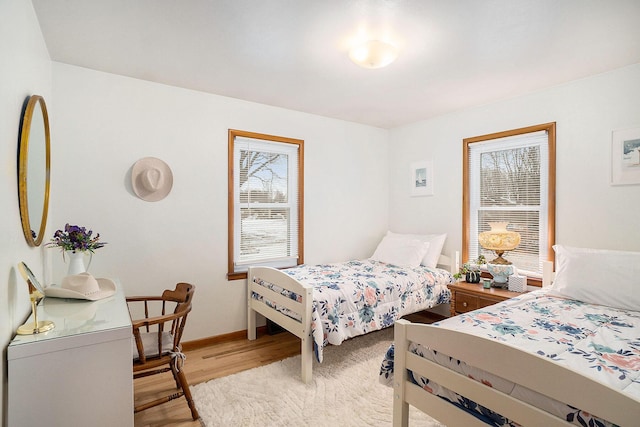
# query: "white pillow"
436,242
598,276
400,251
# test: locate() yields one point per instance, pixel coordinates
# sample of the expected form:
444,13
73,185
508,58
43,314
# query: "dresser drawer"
485,302
467,297
466,302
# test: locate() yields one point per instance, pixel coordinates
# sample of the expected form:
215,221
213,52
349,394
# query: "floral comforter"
357,297
602,342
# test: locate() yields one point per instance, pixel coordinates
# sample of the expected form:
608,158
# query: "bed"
568,354
329,303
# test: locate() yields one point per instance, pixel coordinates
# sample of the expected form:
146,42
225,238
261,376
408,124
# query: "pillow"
598,276
400,251
150,344
436,242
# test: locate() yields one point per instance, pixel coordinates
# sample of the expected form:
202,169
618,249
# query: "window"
510,176
265,202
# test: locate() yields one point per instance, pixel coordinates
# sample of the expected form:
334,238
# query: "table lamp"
499,240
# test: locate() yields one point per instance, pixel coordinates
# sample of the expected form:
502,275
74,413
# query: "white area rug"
344,391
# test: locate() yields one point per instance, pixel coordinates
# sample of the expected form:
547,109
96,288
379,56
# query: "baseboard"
232,336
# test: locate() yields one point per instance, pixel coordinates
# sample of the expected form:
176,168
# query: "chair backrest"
183,295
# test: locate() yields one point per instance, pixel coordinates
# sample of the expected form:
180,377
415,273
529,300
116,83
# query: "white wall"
589,212
356,177
25,69
105,122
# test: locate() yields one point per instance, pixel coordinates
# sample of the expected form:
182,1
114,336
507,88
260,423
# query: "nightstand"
471,296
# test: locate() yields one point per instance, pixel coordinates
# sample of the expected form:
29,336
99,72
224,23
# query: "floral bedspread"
357,297
599,341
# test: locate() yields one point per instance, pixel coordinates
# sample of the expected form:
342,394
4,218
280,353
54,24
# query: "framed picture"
625,157
421,178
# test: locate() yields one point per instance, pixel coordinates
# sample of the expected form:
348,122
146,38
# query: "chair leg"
183,384
174,372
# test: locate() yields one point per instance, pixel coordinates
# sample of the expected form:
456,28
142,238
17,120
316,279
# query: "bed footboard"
529,370
301,307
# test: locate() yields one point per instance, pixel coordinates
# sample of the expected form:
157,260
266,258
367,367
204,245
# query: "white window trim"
292,189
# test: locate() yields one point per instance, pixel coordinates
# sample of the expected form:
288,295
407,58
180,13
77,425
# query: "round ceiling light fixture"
373,54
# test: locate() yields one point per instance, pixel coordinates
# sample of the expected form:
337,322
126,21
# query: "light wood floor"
204,364
215,361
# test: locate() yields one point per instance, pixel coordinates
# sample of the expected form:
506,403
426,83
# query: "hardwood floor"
203,364
215,361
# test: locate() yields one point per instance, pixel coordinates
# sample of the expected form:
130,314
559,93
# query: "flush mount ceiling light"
373,54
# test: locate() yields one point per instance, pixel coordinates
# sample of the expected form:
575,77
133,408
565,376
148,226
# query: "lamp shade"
499,239
373,54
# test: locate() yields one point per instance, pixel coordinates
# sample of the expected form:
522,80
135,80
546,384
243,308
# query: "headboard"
450,263
547,273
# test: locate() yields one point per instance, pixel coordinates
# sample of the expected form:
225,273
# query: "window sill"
237,276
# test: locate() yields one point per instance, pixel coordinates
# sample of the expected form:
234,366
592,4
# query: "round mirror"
34,156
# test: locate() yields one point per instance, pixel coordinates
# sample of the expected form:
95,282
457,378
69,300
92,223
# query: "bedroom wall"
105,122
589,212
25,69
102,123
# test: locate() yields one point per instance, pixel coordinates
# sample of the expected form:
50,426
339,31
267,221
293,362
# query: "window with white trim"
265,201
510,177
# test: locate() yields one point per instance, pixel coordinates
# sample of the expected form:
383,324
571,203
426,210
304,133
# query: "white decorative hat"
82,286
151,179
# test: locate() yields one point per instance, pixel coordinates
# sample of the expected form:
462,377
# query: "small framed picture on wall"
421,182
625,157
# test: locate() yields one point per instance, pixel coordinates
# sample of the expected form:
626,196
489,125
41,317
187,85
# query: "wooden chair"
157,340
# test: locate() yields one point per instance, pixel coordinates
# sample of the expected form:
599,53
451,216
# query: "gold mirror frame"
33,184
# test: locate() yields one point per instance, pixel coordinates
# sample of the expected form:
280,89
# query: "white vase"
75,261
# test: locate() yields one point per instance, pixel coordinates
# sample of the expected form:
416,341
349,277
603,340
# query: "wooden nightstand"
471,296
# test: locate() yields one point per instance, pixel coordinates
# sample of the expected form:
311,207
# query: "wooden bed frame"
303,308
529,370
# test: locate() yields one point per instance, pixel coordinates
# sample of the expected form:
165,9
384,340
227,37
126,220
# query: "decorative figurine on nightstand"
36,293
499,240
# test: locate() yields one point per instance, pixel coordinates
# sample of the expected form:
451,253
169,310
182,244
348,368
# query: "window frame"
232,134
550,128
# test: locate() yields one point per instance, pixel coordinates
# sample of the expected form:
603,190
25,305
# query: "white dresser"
79,373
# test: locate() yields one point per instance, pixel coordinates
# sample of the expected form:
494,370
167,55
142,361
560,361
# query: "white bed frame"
303,308
529,370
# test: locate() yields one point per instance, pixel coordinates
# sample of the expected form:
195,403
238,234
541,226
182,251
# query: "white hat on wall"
151,179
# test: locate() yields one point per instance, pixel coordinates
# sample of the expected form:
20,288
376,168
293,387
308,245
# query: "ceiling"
454,54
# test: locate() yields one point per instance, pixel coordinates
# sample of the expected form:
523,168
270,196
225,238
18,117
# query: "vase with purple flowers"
76,243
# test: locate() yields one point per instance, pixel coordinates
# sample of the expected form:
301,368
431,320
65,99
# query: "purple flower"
75,238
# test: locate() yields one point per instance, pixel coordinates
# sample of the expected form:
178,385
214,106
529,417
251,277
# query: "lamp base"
500,273
499,260
32,328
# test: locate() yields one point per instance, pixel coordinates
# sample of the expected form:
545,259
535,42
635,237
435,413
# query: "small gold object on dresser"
36,293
